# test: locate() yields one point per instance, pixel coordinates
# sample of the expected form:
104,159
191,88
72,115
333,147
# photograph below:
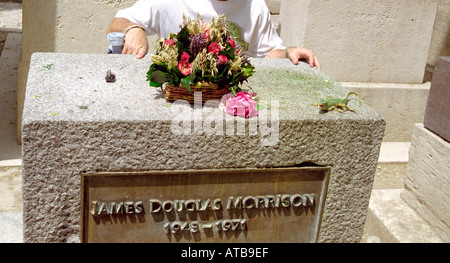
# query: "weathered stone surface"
11,230
440,38
391,220
274,6
74,121
437,113
8,93
11,16
363,41
63,26
427,180
394,102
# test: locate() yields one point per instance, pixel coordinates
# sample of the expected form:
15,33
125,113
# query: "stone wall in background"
440,40
363,41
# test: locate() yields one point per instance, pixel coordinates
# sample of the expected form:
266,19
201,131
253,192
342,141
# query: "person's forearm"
135,41
119,25
277,53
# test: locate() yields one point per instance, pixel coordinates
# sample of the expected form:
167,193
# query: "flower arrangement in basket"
201,57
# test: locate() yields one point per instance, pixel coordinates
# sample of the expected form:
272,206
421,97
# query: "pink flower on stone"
240,105
184,66
214,48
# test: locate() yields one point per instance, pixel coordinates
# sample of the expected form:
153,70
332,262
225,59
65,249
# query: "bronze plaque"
244,205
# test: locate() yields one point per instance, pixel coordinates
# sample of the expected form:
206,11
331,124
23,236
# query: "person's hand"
296,54
136,43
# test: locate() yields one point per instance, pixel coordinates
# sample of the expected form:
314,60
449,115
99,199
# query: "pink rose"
240,105
184,66
214,48
222,59
232,43
169,42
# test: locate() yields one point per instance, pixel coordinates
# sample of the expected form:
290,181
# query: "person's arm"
296,54
136,42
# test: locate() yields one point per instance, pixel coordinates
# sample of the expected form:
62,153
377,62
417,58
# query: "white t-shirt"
163,17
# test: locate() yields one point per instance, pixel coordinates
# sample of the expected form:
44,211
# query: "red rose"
222,58
232,43
184,57
214,48
184,66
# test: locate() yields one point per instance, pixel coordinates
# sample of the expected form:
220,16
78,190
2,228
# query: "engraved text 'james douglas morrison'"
229,205
156,206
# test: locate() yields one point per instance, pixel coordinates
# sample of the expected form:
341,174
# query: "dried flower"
184,66
214,48
198,43
232,42
222,59
200,52
169,42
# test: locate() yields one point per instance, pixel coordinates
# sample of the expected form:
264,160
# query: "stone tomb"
437,117
101,156
427,176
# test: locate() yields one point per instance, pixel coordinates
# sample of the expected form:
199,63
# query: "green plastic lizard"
335,103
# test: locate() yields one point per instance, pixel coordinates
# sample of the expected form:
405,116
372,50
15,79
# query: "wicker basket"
209,92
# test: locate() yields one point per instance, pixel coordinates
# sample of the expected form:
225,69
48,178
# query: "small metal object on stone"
110,78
